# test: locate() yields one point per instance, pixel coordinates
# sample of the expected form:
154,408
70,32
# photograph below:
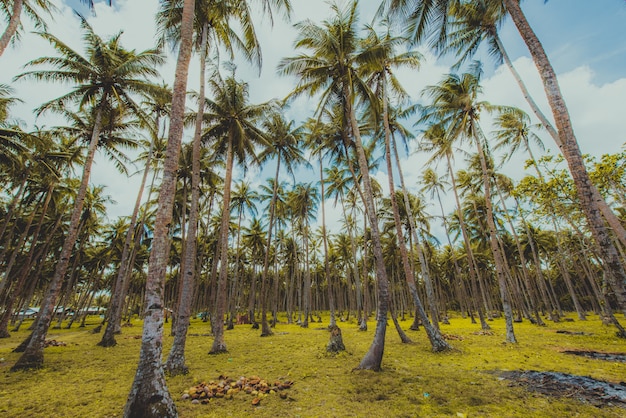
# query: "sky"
585,41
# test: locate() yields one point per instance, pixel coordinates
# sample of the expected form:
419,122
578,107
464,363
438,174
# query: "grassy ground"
84,380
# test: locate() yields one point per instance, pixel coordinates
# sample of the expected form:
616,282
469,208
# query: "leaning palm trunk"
7,298
123,275
611,263
14,22
434,335
149,396
373,358
175,363
495,246
18,197
33,354
468,249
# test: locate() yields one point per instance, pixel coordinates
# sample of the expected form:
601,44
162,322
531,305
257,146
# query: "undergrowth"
84,380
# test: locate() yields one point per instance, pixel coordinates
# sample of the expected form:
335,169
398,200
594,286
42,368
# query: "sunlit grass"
84,380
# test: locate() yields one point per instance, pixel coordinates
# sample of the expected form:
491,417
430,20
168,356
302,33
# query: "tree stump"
335,344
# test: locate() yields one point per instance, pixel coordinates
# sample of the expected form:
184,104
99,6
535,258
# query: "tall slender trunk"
306,291
525,273
18,197
468,249
7,297
33,354
219,346
14,22
123,274
331,300
432,330
265,328
149,396
613,267
175,363
462,294
609,215
373,358
495,246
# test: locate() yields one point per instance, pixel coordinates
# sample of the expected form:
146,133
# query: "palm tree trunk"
219,346
432,330
123,274
525,273
149,396
33,354
14,22
495,246
175,363
265,328
373,358
614,269
468,249
609,215
331,300
7,219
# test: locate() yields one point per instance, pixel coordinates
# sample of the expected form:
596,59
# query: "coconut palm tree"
303,201
440,145
108,74
378,59
149,396
234,132
244,199
473,23
455,104
593,204
211,22
331,70
286,146
315,140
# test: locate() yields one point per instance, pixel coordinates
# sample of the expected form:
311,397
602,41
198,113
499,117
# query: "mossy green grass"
84,380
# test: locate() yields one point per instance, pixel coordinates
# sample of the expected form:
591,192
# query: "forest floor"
482,377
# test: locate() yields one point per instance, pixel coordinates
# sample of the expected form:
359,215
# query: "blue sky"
584,39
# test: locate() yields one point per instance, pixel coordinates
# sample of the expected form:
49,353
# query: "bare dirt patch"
618,357
586,389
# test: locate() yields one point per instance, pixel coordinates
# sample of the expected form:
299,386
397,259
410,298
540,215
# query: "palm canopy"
118,131
378,58
231,119
218,18
106,72
514,131
11,11
286,143
6,101
455,105
421,19
470,24
330,68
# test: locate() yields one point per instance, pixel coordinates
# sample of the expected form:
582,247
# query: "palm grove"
202,239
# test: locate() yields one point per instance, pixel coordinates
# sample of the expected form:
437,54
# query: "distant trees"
228,245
